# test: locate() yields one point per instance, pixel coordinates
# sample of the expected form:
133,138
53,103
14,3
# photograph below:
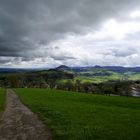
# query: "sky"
49,33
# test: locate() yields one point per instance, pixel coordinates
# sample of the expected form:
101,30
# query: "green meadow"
77,116
2,99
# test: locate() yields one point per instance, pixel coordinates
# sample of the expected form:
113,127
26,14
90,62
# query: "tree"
12,80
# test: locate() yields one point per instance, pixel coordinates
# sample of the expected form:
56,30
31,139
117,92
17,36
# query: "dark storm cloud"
27,25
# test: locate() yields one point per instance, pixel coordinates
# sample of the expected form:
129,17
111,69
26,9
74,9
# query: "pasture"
77,116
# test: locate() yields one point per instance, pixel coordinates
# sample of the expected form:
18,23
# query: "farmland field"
2,99
77,116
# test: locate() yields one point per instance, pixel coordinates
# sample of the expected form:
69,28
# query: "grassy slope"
2,99
134,77
83,116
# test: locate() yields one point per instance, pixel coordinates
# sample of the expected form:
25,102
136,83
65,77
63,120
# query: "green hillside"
75,116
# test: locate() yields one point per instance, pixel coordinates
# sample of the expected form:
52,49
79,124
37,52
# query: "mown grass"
75,116
2,99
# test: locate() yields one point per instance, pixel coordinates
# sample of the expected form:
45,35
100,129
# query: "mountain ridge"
119,69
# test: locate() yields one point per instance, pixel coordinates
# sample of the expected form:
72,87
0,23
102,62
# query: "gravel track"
19,123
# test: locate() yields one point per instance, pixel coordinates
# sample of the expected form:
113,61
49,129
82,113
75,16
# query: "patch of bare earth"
19,123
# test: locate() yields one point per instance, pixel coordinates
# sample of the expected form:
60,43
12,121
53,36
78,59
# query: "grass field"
2,99
75,116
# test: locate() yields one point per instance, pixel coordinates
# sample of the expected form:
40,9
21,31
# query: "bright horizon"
44,33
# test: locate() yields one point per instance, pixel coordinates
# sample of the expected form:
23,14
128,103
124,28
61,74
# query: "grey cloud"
124,52
4,60
62,57
133,36
25,25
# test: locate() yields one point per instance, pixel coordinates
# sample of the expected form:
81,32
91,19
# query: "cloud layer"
47,33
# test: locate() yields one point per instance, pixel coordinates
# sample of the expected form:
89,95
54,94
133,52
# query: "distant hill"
15,70
64,74
11,70
63,67
98,69
119,69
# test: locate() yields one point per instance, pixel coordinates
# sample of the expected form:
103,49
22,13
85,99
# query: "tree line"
51,79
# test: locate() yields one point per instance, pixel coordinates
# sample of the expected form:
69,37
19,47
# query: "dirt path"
19,123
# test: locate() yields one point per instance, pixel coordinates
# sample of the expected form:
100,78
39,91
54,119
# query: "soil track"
19,123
